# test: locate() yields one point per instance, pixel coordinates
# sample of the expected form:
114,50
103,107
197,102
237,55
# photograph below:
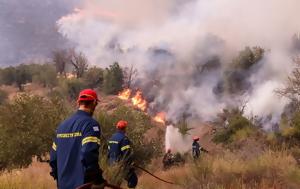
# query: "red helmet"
196,138
122,124
87,95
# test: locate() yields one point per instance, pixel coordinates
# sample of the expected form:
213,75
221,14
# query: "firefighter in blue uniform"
196,148
75,150
120,150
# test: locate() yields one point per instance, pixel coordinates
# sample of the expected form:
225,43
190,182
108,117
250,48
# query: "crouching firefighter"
196,148
168,159
75,150
120,151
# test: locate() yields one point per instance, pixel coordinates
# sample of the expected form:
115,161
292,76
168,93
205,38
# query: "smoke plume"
183,49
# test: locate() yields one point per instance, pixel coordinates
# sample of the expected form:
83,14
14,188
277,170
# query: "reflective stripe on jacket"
119,147
75,150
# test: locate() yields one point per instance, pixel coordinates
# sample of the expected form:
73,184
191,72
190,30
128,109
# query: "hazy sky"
28,28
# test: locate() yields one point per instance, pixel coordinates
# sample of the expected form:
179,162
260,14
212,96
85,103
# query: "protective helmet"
87,95
169,150
196,138
122,124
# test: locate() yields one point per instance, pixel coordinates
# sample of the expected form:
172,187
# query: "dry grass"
35,177
270,170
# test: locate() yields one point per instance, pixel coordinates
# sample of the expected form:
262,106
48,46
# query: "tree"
296,43
93,77
60,59
290,130
292,89
3,96
22,76
46,76
248,57
113,79
73,87
23,123
183,126
80,63
7,75
130,74
236,76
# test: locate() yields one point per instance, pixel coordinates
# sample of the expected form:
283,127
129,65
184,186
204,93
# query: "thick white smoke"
169,42
175,141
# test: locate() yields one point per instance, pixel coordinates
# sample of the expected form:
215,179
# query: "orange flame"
160,117
125,94
139,101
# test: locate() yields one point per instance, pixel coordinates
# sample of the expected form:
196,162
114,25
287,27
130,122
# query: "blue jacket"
196,149
75,151
119,148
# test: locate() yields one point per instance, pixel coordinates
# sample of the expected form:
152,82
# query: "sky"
28,29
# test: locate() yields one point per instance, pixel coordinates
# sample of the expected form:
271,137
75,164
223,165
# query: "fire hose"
89,186
146,171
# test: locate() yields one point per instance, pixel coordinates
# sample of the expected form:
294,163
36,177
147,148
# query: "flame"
139,101
125,94
160,117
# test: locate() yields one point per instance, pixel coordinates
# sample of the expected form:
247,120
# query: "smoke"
28,28
175,141
183,49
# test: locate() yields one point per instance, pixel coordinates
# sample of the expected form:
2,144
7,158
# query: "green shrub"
238,128
139,123
46,76
113,79
3,96
248,57
27,125
8,75
72,87
93,77
183,127
289,131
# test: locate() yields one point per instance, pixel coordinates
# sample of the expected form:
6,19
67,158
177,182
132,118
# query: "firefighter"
75,150
168,159
120,151
196,148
